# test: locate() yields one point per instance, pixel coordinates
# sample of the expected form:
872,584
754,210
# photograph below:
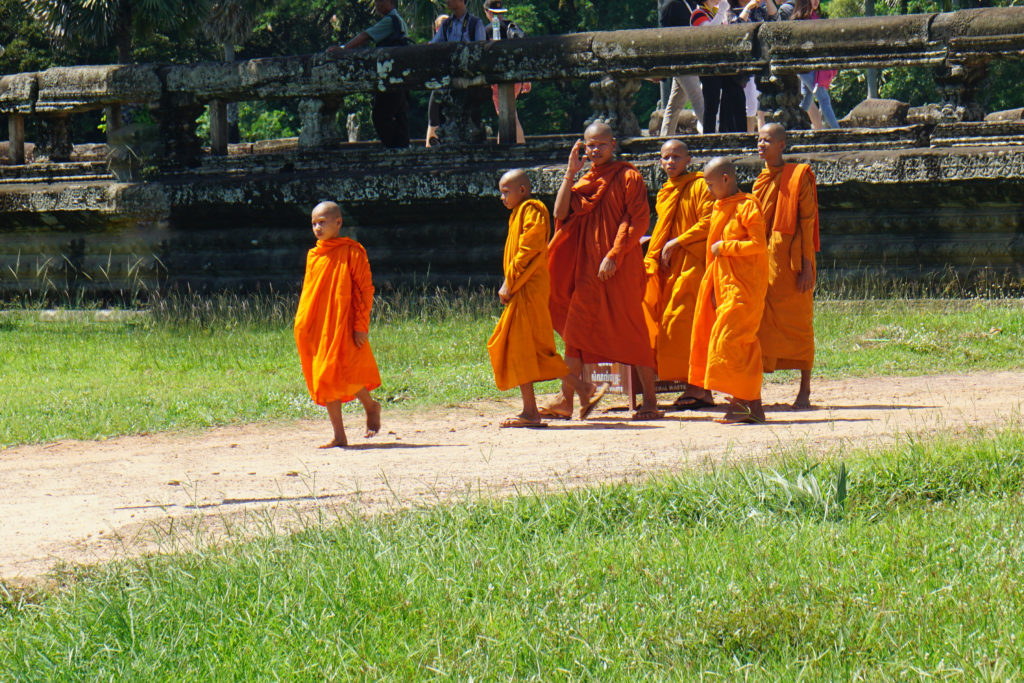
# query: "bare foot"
743,412
560,408
373,420
336,443
803,401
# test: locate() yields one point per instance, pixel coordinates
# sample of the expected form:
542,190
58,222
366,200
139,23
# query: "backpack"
469,21
510,29
398,38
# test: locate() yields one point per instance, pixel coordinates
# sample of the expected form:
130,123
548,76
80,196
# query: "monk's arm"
362,291
659,239
697,234
757,242
802,258
564,196
638,215
532,243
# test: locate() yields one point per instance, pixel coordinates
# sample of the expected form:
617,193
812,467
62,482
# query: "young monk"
332,324
597,270
789,200
725,355
522,348
675,266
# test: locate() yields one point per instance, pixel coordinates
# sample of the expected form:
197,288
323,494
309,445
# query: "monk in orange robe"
789,200
725,355
675,265
597,270
333,322
522,347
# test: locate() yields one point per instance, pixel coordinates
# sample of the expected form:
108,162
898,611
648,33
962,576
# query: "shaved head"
720,166
329,209
516,178
720,177
774,132
677,145
599,129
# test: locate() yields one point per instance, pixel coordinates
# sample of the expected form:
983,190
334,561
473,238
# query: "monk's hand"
716,248
805,278
666,253
607,269
359,338
504,294
575,164
334,51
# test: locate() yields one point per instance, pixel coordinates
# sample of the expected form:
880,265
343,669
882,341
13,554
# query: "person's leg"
825,104
433,117
803,396
807,103
691,86
711,86
733,106
372,409
750,104
530,412
673,107
334,413
649,408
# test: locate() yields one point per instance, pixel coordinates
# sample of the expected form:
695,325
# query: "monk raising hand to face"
597,272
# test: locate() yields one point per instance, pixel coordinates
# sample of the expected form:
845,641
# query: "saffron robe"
602,321
522,347
337,294
725,354
789,200
684,214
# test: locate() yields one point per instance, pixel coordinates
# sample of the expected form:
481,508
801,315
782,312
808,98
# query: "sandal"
692,403
518,421
648,414
595,398
552,414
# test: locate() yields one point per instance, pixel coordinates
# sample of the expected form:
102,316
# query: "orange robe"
789,199
522,348
602,321
337,293
684,214
725,354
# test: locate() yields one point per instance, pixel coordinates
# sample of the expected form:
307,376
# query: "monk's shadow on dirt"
782,407
599,423
824,420
397,444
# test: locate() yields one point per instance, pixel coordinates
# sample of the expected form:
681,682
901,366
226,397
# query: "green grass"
200,362
737,574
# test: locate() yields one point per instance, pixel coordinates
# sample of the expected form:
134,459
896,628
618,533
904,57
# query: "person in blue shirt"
391,108
462,27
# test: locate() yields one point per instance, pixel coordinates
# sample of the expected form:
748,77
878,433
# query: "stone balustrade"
956,46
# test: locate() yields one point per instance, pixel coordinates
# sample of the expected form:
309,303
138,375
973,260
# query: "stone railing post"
507,113
114,122
780,100
612,101
16,138
177,115
460,108
219,131
958,84
56,144
319,128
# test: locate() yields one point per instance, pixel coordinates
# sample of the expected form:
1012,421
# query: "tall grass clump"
725,574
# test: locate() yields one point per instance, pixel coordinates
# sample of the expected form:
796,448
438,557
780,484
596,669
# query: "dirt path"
90,501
